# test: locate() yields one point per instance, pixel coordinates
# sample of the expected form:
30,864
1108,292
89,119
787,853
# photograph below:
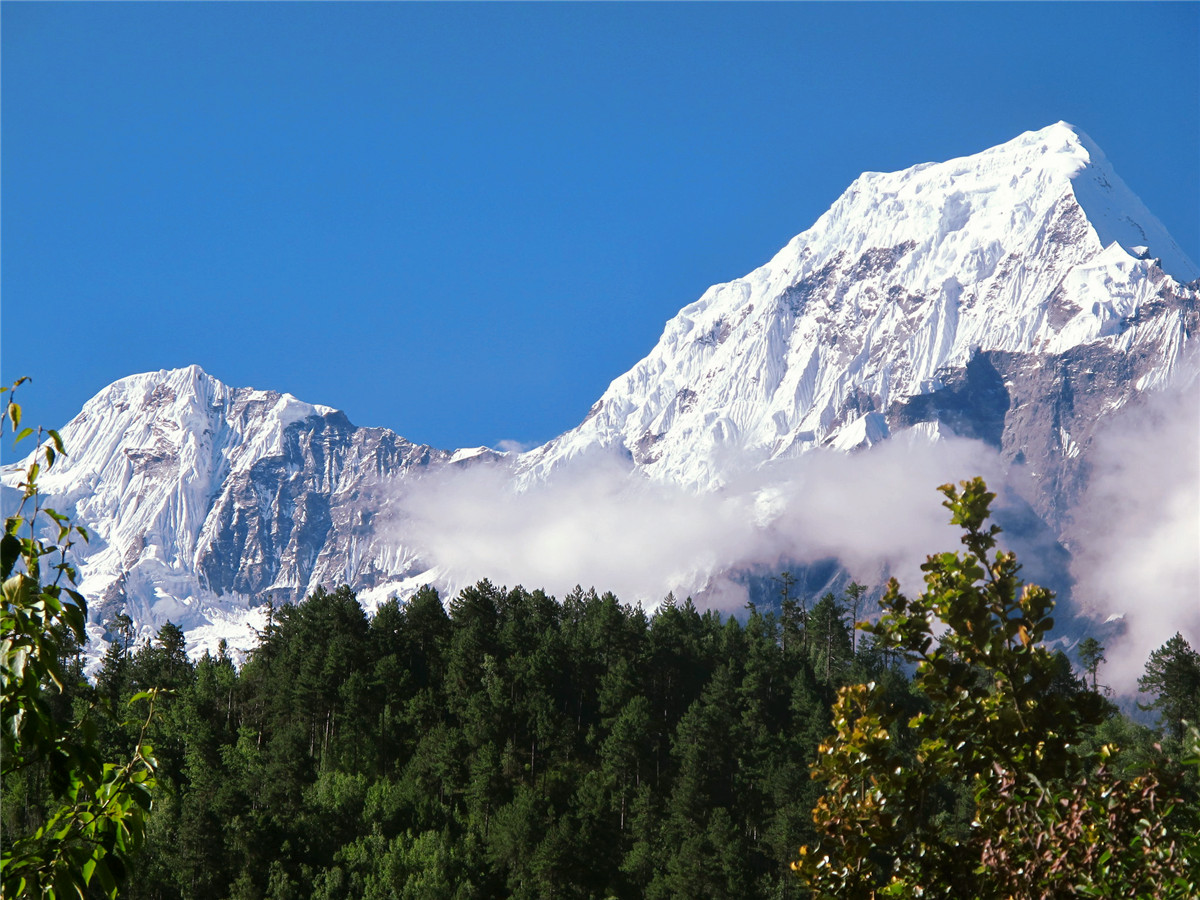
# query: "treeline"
510,745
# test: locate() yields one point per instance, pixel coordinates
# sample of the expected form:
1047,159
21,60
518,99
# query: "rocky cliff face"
1017,296
1042,410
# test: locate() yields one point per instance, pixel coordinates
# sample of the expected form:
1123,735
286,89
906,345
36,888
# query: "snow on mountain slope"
1032,247
205,501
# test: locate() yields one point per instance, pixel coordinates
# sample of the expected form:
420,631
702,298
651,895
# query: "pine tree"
1173,677
829,645
1091,655
852,598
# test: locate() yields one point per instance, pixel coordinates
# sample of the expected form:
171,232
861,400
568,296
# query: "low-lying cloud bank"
596,522
1137,550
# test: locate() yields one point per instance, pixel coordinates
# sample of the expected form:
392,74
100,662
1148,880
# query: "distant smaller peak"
466,453
192,371
189,376
188,381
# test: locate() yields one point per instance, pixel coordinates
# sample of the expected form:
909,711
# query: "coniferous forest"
508,745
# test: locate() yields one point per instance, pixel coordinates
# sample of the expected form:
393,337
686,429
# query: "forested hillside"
510,745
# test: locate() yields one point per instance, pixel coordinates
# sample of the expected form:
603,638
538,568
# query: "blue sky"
463,221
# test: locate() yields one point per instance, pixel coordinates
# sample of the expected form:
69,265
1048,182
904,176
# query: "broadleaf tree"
1044,818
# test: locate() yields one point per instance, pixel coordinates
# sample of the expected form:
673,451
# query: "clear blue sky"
462,221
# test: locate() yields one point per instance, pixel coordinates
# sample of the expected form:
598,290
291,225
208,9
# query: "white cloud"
1138,550
596,522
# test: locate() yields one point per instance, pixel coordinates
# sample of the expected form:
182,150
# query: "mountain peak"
204,499
1034,246
1060,136
1115,213
1060,149
194,384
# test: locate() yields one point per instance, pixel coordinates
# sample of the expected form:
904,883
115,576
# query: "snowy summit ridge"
1034,246
204,501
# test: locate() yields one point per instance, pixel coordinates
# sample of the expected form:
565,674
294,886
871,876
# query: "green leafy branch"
99,819
1049,820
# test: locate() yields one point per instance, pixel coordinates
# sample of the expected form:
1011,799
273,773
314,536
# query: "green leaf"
141,796
105,877
10,552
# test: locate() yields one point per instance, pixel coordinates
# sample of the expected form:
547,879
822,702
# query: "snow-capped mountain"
204,501
1016,296
1012,296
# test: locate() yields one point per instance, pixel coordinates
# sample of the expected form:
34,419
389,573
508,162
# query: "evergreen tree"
1091,655
793,617
852,599
829,643
1173,678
